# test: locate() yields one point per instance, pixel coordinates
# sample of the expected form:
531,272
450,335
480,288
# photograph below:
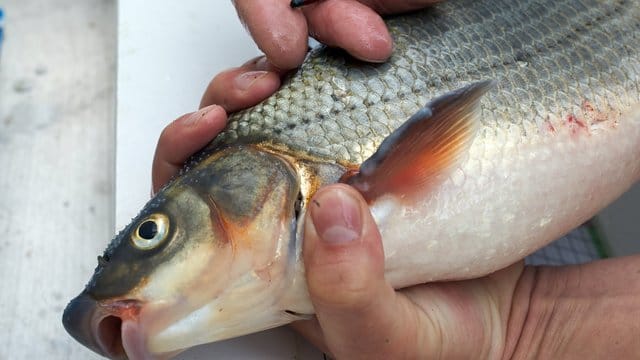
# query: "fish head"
210,257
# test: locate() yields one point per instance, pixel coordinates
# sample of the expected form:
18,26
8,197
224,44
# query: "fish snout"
100,327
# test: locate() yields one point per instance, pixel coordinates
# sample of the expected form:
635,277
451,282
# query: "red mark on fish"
576,125
549,126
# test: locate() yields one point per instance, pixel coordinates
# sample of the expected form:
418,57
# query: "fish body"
532,125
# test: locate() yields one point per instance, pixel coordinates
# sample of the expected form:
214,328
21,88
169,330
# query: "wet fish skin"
549,58
558,138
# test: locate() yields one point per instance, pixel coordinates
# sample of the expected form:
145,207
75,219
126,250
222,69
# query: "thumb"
360,314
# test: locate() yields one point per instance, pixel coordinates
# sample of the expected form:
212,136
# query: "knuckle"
165,135
341,286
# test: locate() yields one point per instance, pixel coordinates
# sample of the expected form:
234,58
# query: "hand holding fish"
356,26
493,128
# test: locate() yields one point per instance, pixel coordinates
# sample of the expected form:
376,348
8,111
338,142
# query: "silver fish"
532,127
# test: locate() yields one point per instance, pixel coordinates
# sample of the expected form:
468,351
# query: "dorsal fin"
424,146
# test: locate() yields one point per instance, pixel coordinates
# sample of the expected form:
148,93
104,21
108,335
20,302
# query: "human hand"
356,26
360,316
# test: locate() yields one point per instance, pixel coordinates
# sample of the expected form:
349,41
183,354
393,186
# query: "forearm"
583,312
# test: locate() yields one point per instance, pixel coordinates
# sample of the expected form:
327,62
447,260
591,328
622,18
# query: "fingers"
244,86
279,31
232,90
344,262
181,139
352,26
359,316
356,26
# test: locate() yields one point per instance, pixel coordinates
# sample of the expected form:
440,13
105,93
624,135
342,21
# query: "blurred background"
74,166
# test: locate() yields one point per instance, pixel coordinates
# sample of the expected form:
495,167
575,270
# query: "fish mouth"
111,328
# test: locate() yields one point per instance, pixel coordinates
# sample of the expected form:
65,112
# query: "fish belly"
508,198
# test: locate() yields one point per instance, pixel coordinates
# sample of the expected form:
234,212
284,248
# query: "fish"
495,127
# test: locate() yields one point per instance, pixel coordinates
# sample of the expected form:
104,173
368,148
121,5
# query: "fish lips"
109,328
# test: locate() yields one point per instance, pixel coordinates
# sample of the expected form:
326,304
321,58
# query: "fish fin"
411,158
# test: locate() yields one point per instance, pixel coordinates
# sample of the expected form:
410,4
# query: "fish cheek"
198,271
251,195
196,249
239,183
252,264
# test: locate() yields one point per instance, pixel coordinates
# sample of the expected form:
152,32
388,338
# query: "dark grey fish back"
550,58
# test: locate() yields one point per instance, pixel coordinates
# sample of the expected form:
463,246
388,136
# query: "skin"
356,26
586,311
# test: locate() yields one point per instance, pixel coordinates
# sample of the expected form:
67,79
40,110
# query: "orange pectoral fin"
430,142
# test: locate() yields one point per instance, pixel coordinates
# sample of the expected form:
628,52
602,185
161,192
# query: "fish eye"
151,232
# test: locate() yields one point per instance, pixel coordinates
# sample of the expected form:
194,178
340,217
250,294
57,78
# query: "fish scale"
547,56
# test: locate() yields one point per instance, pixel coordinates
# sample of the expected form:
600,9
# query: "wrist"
584,311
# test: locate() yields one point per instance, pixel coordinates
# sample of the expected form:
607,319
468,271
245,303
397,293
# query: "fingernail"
263,64
245,80
377,49
336,217
195,117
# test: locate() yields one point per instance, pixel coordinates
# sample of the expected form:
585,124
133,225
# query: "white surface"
168,52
